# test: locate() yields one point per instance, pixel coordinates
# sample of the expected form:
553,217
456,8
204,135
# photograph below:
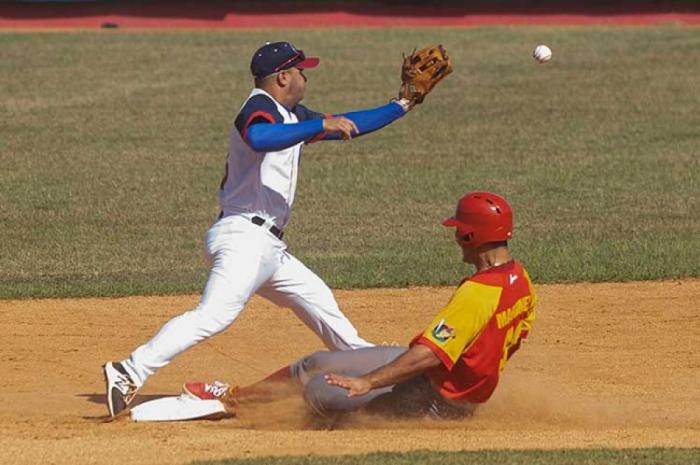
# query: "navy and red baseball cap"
278,56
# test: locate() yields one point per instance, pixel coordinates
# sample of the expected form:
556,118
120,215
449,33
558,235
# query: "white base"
176,409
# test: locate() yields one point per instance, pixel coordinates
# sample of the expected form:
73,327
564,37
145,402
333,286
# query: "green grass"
112,145
491,457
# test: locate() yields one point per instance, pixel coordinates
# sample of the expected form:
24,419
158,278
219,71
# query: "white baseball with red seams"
542,54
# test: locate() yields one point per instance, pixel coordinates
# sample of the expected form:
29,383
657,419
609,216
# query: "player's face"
462,241
297,84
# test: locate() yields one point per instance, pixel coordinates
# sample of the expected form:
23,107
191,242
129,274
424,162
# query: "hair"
259,81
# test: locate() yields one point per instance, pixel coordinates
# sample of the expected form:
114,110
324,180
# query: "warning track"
218,15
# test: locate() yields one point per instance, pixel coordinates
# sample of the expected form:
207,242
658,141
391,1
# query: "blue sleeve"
370,120
278,136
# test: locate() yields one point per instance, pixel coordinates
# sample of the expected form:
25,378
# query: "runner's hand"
355,386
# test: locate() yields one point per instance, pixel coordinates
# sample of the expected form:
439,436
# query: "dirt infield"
607,365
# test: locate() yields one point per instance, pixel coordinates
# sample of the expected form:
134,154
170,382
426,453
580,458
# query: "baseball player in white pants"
245,244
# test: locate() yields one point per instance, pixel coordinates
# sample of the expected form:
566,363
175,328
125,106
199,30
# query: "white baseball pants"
246,259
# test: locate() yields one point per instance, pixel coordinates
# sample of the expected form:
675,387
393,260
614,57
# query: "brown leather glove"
421,71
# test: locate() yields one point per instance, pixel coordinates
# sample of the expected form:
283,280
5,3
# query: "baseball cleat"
205,391
121,389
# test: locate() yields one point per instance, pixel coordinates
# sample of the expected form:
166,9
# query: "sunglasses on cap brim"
299,60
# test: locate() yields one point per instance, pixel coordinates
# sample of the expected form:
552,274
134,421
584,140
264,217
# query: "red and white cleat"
205,391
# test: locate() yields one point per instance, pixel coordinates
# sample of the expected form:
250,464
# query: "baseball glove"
421,71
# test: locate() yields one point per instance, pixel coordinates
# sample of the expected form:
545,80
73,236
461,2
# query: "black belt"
277,232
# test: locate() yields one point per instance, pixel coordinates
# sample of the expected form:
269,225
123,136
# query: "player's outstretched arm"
278,136
368,121
270,137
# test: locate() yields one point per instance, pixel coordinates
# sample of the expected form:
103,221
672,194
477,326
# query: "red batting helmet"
482,217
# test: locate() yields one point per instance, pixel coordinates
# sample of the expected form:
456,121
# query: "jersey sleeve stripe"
251,118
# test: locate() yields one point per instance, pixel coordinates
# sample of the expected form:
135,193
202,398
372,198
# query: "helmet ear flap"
466,239
465,234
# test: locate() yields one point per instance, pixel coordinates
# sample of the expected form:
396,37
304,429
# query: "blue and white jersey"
262,183
264,151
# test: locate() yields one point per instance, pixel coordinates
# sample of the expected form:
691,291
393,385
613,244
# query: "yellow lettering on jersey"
512,337
524,305
521,306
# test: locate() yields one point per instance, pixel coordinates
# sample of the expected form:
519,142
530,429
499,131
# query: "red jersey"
479,330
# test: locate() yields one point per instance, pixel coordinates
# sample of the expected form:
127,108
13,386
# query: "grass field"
487,457
113,144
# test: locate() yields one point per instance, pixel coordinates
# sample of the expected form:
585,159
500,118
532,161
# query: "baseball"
542,54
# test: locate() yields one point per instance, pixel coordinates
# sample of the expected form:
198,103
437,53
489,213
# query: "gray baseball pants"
412,398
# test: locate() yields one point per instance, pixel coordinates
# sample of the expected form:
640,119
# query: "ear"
282,79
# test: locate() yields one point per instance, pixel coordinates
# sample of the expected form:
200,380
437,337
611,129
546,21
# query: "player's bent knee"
316,361
304,368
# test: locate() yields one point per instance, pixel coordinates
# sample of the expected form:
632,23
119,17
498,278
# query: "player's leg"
291,379
325,399
298,373
348,362
295,286
243,257
415,397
